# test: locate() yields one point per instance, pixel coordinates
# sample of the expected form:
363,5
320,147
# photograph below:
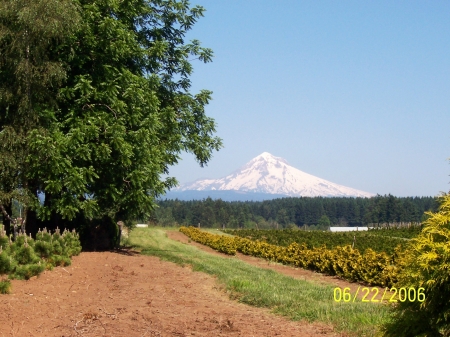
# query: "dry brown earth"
127,294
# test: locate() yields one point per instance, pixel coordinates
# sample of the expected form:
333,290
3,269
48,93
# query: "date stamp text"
392,295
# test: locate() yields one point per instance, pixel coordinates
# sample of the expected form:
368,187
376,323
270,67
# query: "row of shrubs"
26,257
376,269
221,243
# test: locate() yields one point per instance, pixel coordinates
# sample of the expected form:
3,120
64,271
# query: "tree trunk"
55,219
31,225
6,221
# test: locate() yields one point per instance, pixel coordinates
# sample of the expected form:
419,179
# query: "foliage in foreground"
26,257
378,269
427,266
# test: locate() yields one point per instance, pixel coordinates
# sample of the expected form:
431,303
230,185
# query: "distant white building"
348,229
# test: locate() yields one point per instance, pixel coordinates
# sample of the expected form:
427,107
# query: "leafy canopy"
98,103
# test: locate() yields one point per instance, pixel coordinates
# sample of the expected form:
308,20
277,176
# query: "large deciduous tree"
117,114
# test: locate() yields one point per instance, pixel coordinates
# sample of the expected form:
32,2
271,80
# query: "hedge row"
376,269
220,243
26,257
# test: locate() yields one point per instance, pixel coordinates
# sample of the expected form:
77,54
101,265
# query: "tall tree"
31,71
123,114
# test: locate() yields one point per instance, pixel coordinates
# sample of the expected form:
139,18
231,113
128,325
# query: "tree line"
307,212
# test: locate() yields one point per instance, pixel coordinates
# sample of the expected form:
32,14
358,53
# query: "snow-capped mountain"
273,175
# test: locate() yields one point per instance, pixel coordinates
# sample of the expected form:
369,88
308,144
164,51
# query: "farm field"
129,294
382,240
297,273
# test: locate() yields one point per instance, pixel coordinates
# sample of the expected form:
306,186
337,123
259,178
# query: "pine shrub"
59,260
427,266
43,249
56,247
44,235
4,240
5,263
72,242
5,286
26,257
27,271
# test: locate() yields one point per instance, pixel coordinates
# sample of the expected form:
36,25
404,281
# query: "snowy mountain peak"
268,158
273,175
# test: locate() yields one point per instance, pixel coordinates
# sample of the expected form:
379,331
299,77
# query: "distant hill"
227,195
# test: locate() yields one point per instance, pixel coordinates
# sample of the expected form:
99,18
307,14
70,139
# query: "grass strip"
296,299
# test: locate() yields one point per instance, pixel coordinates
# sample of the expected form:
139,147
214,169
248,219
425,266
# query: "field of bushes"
369,267
421,263
379,240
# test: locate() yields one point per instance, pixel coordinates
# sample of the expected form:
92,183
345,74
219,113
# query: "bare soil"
127,294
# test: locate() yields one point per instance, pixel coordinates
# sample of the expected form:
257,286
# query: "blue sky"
355,92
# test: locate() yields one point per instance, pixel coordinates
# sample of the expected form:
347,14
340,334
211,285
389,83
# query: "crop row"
360,240
220,243
370,267
402,232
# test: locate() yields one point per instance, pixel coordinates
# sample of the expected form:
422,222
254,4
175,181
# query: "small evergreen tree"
427,266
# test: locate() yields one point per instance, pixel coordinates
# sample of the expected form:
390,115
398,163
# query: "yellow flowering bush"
370,267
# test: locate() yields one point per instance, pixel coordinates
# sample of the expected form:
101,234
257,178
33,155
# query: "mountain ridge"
268,174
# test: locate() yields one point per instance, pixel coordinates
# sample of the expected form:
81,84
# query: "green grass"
296,299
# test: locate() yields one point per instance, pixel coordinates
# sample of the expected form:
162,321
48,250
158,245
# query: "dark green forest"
305,212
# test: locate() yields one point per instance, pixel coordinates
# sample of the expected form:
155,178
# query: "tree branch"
6,214
91,105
